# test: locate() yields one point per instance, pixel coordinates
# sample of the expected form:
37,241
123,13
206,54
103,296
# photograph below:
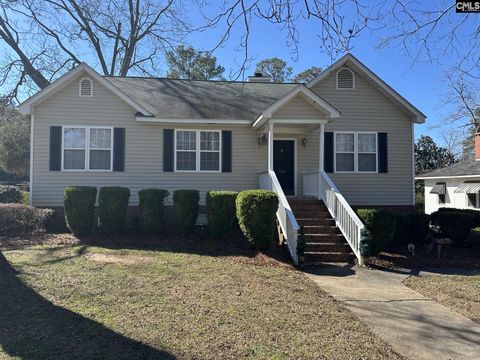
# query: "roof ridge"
200,80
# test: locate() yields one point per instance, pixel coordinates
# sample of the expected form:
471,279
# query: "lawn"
167,299
458,292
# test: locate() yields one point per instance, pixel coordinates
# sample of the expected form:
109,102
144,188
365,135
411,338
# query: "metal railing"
288,224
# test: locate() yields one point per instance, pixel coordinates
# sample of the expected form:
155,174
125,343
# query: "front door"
284,164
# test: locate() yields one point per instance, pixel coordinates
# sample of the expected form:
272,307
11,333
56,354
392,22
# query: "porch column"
321,158
270,146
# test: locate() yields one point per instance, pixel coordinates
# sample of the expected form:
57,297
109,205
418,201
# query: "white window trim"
80,87
87,148
198,151
355,152
353,79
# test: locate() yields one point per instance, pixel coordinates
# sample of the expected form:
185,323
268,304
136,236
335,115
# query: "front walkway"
416,327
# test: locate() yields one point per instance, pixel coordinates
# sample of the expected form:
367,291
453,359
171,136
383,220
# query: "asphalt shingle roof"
467,167
194,99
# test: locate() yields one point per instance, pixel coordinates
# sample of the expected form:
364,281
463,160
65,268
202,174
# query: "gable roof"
199,99
353,63
300,90
467,168
65,79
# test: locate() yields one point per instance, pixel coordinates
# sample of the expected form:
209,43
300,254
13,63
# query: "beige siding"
143,150
363,109
297,108
366,109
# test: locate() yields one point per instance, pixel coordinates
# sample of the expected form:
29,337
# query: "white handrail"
345,218
288,224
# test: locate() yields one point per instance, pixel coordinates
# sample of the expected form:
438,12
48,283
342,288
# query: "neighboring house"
136,132
456,186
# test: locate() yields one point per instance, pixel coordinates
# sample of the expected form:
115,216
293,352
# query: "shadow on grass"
34,328
200,243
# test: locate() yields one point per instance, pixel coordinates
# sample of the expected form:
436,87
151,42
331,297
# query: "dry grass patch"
57,302
458,292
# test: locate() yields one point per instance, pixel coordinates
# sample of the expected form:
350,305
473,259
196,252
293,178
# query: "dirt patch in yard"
119,259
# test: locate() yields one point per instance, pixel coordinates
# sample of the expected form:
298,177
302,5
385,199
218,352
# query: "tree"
429,156
275,68
308,74
14,141
189,63
43,39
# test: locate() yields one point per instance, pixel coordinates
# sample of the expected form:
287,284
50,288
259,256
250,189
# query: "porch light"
304,142
262,139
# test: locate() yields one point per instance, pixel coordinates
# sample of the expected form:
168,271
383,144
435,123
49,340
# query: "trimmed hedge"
185,210
381,225
256,211
475,213
454,224
151,209
19,219
10,194
221,214
79,206
112,208
411,227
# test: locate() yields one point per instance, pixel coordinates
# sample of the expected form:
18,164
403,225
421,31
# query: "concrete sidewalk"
415,326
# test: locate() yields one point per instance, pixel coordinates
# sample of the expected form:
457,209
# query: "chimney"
260,78
477,146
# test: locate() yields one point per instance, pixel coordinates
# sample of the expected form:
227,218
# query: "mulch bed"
399,257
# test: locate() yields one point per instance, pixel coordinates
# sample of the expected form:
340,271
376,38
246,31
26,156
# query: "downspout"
30,182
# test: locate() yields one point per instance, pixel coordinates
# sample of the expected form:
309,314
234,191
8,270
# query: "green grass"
458,292
74,301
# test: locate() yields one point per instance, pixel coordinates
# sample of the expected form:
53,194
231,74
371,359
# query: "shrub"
19,219
221,214
112,208
418,224
402,229
475,213
79,206
381,225
151,210
454,224
25,197
256,216
185,210
10,194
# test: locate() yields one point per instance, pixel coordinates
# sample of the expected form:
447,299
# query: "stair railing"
288,224
345,218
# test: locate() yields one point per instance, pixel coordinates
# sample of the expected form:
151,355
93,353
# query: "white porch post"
321,158
270,147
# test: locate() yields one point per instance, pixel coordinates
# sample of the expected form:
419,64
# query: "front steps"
324,242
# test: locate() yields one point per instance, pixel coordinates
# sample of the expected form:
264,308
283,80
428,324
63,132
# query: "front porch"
286,134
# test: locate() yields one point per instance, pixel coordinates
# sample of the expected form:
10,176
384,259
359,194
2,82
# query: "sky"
421,83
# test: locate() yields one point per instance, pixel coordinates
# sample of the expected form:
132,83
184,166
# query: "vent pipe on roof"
259,77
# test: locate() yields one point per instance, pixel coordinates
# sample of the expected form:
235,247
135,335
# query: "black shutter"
55,148
168,149
119,149
382,153
226,151
328,152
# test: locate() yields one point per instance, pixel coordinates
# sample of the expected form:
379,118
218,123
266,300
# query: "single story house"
456,186
346,130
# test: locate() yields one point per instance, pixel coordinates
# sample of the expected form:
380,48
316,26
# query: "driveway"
417,327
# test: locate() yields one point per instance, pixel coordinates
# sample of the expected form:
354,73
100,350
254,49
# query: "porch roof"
328,110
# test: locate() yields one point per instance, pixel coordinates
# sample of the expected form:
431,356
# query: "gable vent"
345,79
86,87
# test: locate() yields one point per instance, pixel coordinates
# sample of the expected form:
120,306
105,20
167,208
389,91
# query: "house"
456,186
345,135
